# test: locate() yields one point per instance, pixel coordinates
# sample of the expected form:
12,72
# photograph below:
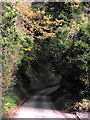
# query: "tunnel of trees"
45,44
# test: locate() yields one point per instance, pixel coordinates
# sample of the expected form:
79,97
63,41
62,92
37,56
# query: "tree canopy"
44,44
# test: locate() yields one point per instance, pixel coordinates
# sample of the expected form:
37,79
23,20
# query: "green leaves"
9,12
10,102
67,52
5,15
17,3
8,8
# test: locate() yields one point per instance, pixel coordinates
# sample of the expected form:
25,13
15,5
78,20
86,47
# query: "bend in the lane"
41,106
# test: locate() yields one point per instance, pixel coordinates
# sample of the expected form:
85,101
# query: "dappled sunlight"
25,112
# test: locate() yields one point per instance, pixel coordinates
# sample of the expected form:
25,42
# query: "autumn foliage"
38,25
52,43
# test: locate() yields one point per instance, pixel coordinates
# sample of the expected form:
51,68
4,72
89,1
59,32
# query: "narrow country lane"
41,106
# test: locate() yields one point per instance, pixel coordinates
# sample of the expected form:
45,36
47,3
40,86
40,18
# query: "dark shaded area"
41,99
54,8
37,75
23,82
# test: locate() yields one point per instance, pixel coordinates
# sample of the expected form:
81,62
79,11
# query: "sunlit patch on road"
41,106
25,112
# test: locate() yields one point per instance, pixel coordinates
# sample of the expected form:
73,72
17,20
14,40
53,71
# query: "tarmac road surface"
41,106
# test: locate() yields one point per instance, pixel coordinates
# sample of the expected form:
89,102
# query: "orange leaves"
50,34
75,4
34,15
40,37
46,28
49,22
45,17
39,25
31,29
38,12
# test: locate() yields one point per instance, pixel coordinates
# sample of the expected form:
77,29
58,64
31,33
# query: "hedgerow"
53,39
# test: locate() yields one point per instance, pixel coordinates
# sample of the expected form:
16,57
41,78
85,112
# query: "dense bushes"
68,50
12,54
72,55
53,44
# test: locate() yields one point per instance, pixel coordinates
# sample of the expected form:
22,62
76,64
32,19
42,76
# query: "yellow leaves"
50,17
27,49
60,24
43,12
72,6
45,17
76,6
84,104
58,21
74,23
15,18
